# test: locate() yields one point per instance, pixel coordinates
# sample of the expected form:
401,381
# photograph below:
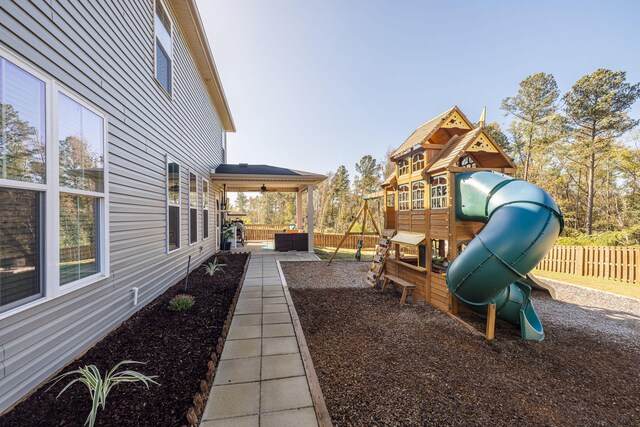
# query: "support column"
299,209
310,216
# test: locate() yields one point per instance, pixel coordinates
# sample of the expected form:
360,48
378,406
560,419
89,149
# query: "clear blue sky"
316,84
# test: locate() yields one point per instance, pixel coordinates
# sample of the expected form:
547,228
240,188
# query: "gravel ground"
381,364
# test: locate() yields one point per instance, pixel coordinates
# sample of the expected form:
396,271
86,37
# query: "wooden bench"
407,287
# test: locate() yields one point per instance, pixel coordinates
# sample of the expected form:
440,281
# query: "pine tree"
533,106
596,109
368,180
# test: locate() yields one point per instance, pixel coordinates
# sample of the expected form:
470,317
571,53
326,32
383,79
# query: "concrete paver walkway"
260,380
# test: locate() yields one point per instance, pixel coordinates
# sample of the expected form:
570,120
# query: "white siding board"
104,51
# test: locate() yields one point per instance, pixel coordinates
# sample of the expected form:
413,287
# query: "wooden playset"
420,206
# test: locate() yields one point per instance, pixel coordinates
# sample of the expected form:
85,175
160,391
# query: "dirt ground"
382,364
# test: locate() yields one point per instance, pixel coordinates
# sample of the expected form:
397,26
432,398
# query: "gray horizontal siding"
103,51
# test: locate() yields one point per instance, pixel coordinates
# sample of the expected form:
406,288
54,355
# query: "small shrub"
213,267
182,302
100,387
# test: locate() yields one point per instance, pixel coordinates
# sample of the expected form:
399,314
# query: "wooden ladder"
380,257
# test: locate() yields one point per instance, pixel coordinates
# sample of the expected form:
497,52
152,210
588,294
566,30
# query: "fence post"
580,264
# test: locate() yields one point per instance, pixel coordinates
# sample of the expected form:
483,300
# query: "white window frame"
444,199
103,220
51,287
168,203
414,198
155,56
208,208
197,208
401,201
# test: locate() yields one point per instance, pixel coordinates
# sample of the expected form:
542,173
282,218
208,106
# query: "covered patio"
247,178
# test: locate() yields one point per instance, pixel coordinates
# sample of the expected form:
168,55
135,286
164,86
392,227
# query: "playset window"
403,167
439,191
467,162
417,195
417,162
403,197
391,200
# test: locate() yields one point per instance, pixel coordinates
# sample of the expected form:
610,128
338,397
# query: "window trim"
169,159
102,246
51,288
153,44
208,209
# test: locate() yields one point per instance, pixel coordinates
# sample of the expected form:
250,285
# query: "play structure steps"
380,257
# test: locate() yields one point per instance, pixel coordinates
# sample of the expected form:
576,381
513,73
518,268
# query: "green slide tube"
522,224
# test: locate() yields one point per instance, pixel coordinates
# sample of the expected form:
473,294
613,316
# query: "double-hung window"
163,46
193,208
81,136
23,184
403,197
173,205
53,188
205,209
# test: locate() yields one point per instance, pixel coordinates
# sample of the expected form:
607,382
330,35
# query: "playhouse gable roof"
477,142
453,118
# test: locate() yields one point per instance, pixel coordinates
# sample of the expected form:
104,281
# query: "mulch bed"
176,346
381,364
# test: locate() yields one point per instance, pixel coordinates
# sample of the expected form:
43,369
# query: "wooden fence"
606,262
332,240
263,231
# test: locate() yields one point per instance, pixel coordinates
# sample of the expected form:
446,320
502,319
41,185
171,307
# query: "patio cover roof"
247,178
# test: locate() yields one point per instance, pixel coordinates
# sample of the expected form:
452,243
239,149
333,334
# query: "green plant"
213,267
181,302
100,387
438,260
227,232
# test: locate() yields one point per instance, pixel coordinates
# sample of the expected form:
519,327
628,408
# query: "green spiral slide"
522,224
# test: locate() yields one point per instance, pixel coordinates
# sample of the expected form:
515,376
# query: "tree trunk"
577,215
590,191
528,158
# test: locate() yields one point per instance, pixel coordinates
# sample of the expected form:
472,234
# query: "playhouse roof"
424,132
478,142
389,180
